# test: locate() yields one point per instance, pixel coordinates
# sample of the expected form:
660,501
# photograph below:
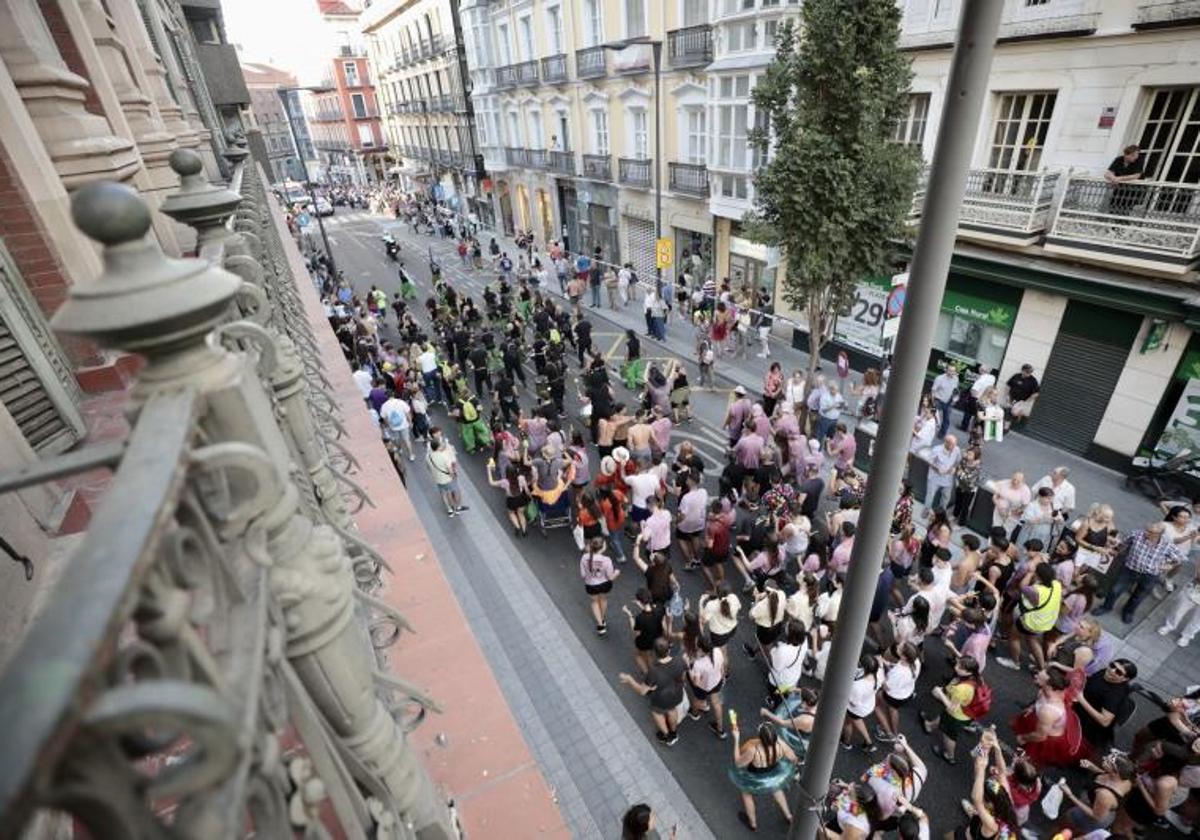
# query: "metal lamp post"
656,45
283,91
968,84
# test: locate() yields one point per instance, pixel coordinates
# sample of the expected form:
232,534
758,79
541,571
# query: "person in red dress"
1049,731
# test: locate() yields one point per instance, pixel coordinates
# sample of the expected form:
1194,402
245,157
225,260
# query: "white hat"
740,390
621,454
607,465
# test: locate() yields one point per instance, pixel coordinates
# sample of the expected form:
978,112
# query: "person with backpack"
475,432
964,699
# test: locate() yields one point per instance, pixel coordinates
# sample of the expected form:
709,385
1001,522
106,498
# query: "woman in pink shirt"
598,575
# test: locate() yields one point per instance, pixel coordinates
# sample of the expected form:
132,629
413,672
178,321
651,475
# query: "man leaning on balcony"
1126,167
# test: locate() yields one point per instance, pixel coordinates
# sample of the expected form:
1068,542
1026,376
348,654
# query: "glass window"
637,120
635,18
525,25
359,104
594,32
351,70
742,36
1019,137
1170,137
910,128
365,138
600,131
554,26
697,135
536,136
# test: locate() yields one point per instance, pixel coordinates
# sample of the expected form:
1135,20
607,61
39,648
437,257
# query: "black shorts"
721,639
951,726
853,716
894,703
701,694
515,503
768,635
713,559
598,588
685,535
900,573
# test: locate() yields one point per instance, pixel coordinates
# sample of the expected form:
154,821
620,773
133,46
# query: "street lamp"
283,91
656,49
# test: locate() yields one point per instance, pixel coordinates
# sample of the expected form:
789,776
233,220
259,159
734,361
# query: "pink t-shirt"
595,568
844,447
693,510
976,646
749,450
661,430
839,561
657,529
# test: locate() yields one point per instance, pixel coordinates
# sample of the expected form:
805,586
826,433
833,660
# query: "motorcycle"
391,247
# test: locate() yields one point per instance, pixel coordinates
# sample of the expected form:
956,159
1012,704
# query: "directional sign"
664,253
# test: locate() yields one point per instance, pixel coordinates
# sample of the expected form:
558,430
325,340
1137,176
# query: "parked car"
324,208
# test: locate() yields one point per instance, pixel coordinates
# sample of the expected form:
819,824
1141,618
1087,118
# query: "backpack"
981,703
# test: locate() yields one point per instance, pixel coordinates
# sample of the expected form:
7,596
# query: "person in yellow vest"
475,432
1041,600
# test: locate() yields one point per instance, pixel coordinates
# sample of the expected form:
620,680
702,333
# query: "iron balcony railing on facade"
1000,203
562,163
689,179
554,68
691,46
516,157
527,73
182,663
506,77
597,167
591,63
1152,222
536,158
635,172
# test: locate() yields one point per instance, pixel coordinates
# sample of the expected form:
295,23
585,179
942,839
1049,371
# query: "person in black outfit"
477,357
1022,385
1104,699
512,361
583,338
1124,168
506,394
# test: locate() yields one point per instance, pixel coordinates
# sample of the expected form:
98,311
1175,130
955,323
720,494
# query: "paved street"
527,605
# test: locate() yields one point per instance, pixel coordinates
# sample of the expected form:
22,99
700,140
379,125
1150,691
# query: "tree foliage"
836,188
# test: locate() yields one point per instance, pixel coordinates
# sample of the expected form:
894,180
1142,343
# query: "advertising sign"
861,325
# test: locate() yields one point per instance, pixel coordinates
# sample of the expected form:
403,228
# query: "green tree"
835,189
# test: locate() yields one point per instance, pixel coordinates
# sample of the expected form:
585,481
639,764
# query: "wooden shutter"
37,386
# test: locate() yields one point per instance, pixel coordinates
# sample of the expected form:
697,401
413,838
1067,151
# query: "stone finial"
235,148
143,300
199,204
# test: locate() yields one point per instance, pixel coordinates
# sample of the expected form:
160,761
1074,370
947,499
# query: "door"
1085,364
568,203
745,272
639,247
506,208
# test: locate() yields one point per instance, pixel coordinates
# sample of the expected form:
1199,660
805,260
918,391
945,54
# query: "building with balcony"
416,49
191,590
344,115
567,124
271,116
1093,283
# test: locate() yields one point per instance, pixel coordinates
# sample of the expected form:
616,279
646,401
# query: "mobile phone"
733,717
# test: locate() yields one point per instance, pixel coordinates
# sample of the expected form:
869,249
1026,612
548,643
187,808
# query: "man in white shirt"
398,416
985,380
1064,491
942,391
942,462
364,380
427,362
642,486
623,278
924,429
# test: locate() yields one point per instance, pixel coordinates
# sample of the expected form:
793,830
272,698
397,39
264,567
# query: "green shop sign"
987,312
1189,365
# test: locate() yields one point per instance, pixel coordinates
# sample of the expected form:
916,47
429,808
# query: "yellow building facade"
566,120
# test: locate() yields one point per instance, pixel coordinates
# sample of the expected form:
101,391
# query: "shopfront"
689,243
974,326
752,265
593,224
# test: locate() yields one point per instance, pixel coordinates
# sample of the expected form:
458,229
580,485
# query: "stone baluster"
81,144
151,137
207,208
151,72
166,310
163,34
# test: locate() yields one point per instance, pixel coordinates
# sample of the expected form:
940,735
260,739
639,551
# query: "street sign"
664,253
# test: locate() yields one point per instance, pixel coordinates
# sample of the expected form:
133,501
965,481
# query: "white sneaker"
1005,662
1183,642
1165,630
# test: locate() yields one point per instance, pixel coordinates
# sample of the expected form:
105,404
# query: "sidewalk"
1164,665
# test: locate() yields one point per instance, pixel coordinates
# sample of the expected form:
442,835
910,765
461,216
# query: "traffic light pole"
968,84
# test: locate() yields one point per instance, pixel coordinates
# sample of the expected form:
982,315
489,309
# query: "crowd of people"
768,536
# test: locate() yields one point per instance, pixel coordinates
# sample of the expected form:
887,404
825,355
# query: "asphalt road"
699,761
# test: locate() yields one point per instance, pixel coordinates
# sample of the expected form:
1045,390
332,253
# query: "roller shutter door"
1081,375
639,247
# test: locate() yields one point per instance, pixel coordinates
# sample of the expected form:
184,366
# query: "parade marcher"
598,574
762,764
